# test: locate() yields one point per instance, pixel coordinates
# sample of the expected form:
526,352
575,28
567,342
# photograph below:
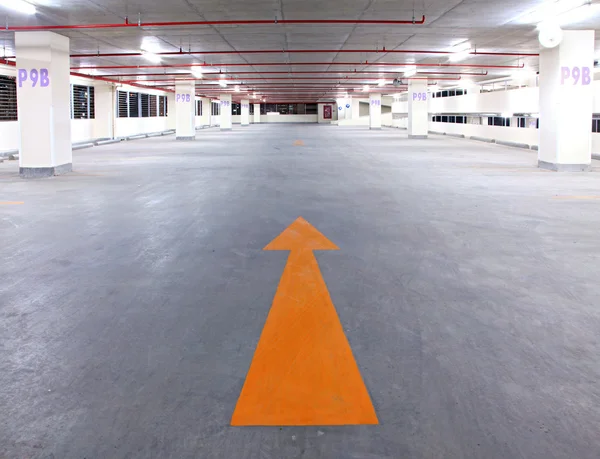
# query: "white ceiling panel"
488,26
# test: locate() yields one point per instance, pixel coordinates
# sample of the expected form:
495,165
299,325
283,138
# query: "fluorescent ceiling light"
197,72
583,13
459,56
381,82
154,58
559,11
223,83
19,6
365,88
237,88
410,71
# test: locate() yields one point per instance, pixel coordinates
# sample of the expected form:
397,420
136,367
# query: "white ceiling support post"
256,113
44,108
397,112
374,111
206,111
566,103
185,110
104,97
225,112
418,116
245,112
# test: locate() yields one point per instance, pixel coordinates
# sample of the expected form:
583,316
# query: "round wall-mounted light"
550,34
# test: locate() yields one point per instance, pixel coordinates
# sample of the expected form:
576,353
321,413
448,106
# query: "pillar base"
244,125
225,129
564,167
375,128
43,172
417,136
185,137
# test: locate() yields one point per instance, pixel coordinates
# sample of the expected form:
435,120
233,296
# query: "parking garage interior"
294,229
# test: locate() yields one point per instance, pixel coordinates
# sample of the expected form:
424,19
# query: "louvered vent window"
8,98
82,102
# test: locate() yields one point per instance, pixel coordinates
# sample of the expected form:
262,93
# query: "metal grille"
145,104
134,105
153,106
83,102
198,108
8,99
122,104
162,102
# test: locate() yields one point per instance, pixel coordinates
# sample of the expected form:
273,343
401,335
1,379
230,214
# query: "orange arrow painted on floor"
303,371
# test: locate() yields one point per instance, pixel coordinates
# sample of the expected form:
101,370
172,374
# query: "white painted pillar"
206,111
349,109
344,108
245,112
104,96
566,102
171,118
185,110
341,108
256,113
418,116
374,111
44,107
396,113
225,112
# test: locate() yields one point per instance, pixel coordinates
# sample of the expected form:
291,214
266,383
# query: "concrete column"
341,108
418,116
245,112
104,95
206,111
171,118
185,110
256,113
43,95
225,112
396,113
344,108
566,102
374,111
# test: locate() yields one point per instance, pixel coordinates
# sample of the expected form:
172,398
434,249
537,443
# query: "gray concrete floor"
133,293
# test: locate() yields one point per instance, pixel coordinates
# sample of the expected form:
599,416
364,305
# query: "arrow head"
301,235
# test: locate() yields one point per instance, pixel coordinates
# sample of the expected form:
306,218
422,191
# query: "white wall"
528,136
522,100
125,127
289,118
9,135
82,130
595,143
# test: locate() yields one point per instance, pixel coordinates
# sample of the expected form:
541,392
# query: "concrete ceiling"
487,26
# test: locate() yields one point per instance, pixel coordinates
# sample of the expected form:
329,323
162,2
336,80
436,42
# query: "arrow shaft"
303,371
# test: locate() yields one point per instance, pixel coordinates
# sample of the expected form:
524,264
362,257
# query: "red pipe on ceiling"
302,51
229,81
311,72
128,24
99,78
275,64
